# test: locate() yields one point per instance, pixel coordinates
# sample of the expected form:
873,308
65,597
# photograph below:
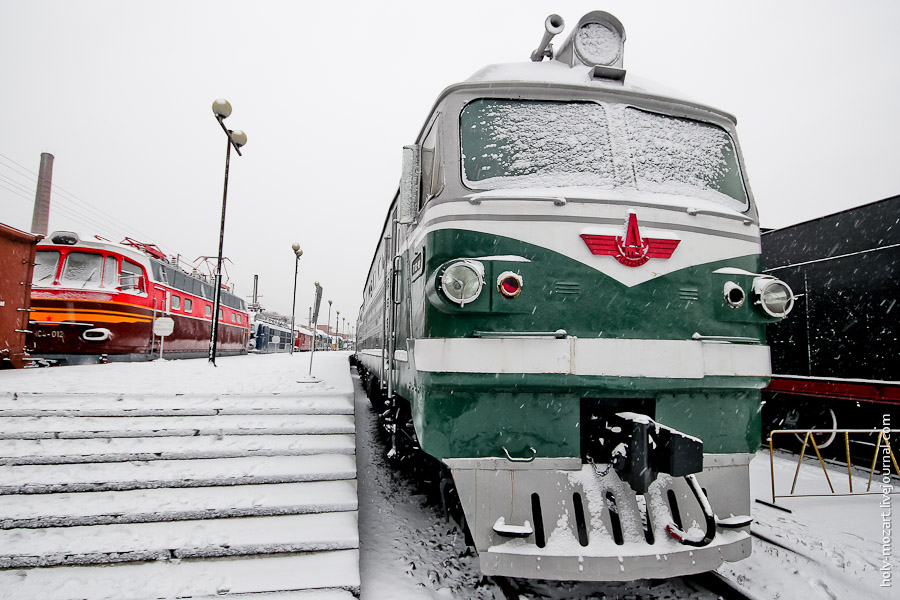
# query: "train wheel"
808,417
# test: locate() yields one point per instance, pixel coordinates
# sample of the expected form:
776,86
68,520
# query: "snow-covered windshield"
684,156
82,269
45,263
508,144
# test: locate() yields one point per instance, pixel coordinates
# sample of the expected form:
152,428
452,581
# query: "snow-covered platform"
176,479
817,546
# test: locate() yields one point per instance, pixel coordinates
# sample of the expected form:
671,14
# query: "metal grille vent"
689,294
568,288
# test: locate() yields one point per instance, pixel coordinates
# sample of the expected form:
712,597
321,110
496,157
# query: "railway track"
719,585
711,585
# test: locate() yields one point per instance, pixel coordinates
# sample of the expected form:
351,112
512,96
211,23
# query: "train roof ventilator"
598,41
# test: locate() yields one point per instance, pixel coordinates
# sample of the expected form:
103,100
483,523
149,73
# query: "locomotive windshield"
45,264
510,144
82,269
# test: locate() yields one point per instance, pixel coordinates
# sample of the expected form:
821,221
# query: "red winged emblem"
633,250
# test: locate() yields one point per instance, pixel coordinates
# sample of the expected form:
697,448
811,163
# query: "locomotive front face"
575,317
589,248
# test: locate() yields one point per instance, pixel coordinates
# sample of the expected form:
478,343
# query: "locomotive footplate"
558,518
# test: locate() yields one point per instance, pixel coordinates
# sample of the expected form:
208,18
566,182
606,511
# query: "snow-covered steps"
82,450
324,572
151,493
98,544
26,404
32,428
175,504
45,479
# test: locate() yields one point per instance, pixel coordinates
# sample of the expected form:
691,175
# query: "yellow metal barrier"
809,438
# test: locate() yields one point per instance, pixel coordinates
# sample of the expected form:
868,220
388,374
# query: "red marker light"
509,284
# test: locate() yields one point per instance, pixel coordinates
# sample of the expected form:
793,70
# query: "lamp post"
337,323
237,138
334,341
297,254
328,324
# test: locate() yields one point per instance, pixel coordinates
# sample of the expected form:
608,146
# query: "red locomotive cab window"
110,272
46,263
176,302
188,305
131,277
82,270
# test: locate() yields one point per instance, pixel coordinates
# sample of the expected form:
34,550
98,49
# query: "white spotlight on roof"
597,41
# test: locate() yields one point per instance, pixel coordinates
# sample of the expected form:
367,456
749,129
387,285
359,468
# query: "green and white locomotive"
565,310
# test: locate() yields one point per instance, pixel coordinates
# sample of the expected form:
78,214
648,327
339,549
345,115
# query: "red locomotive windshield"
46,263
87,270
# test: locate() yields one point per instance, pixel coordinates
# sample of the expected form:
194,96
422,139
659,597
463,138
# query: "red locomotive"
94,300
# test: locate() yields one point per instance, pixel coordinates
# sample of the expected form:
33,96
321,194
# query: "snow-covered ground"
262,373
827,547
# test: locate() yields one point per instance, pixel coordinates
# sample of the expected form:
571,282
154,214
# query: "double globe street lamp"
297,254
237,138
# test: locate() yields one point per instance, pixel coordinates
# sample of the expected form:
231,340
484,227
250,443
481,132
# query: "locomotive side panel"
371,338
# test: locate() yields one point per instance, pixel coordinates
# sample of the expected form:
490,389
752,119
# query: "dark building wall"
845,268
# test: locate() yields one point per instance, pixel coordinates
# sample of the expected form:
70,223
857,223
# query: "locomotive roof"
131,252
95,243
559,76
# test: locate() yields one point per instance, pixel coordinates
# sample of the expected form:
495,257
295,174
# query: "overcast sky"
328,93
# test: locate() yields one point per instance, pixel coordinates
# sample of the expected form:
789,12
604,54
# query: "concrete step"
23,404
325,572
87,427
132,542
43,479
83,450
327,594
172,504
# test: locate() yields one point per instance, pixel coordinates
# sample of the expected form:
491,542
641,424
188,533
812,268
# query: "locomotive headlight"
774,296
462,281
598,44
